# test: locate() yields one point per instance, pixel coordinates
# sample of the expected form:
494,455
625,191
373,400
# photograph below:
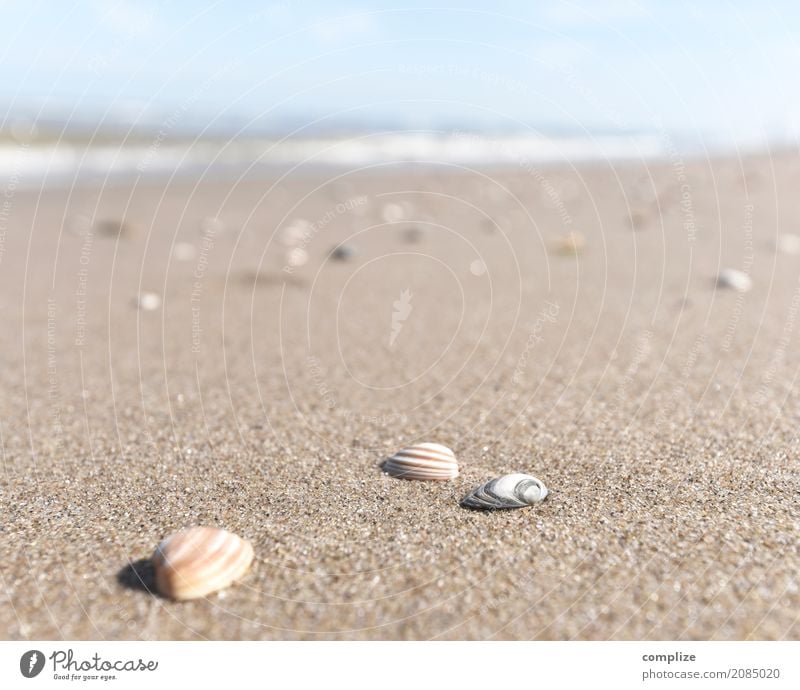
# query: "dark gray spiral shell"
509,491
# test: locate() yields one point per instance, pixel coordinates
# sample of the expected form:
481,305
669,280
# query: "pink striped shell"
423,461
200,560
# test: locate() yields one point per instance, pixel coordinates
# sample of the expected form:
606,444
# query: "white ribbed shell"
423,461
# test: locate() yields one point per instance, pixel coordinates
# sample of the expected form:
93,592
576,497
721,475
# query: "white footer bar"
388,665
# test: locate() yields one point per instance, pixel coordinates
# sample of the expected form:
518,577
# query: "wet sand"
660,410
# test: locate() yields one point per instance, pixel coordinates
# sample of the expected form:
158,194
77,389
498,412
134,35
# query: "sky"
718,68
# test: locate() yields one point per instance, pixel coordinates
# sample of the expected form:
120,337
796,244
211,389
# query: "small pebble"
148,301
293,234
637,220
184,251
393,213
788,244
477,267
570,244
412,235
734,279
343,252
113,228
297,257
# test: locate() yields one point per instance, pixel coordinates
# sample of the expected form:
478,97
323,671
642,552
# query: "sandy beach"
265,387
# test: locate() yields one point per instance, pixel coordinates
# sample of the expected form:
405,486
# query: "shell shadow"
113,228
139,576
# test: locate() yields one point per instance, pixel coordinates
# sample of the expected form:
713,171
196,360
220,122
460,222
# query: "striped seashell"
509,491
424,461
198,561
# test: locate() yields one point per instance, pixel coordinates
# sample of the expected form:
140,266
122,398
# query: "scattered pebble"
197,561
392,213
423,461
343,252
788,244
293,234
297,257
477,267
184,251
148,301
572,243
509,491
637,220
113,228
734,279
412,235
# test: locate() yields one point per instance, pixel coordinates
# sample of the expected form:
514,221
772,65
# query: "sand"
660,410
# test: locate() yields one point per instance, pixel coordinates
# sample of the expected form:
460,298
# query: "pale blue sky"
728,68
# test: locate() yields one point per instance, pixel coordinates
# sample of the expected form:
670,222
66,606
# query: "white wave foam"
35,163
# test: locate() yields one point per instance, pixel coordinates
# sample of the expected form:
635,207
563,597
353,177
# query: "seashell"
570,244
424,461
509,491
198,561
738,280
148,301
